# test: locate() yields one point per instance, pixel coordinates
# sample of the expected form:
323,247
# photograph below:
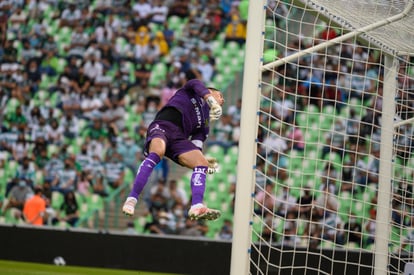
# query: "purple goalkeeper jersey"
195,111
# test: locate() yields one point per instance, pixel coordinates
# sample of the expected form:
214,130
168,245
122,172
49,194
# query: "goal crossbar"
339,39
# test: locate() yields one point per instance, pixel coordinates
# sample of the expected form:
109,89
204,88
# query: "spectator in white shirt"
90,104
39,130
159,12
70,125
70,16
54,132
142,10
17,20
93,68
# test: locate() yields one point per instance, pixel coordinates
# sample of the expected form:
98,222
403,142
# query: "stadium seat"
57,200
95,202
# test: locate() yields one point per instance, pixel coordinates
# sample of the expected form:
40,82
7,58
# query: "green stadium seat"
175,23
57,200
95,202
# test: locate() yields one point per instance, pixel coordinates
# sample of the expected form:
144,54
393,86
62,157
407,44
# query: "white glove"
215,108
213,166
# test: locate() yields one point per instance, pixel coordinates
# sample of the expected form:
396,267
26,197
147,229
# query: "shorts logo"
157,127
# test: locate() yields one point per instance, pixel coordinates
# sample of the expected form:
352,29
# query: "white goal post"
312,67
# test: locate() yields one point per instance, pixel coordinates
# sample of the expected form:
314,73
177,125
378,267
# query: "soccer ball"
59,261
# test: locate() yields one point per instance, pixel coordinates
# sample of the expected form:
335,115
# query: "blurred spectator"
25,171
327,202
103,6
283,107
290,235
159,12
161,224
206,69
65,179
169,34
70,99
17,19
295,136
70,125
194,228
16,120
97,132
407,242
10,54
333,229
235,112
313,229
222,132
176,194
93,67
336,139
226,231
16,199
96,176
355,170
157,202
83,184
179,8
179,216
50,46
70,16
150,111
55,132
353,231
131,153
266,199
161,44
369,227
20,149
305,204
270,223
142,11
91,104
235,30
160,191
34,210
41,159
52,167
130,230
69,210
115,113
274,142
78,43
330,178
286,202
84,158
114,170
34,76
27,52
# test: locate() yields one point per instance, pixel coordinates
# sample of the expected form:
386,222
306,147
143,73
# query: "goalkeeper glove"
213,165
215,108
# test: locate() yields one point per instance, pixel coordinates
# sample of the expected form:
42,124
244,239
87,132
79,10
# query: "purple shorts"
173,136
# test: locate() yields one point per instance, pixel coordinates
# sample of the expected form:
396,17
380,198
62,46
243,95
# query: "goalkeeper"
178,132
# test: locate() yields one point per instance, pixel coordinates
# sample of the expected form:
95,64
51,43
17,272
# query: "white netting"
319,141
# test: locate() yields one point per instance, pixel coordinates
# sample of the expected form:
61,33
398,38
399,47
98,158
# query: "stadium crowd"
342,102
81,81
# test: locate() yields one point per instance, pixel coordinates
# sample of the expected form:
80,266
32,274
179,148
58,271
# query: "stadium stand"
70,61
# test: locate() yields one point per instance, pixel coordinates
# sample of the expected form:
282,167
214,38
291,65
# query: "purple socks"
198,184
144,172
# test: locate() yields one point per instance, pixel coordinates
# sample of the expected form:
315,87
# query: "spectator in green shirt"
16,120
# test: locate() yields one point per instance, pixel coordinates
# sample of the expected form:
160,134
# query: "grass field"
23,268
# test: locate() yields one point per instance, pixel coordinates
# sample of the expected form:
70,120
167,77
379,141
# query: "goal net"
325,179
